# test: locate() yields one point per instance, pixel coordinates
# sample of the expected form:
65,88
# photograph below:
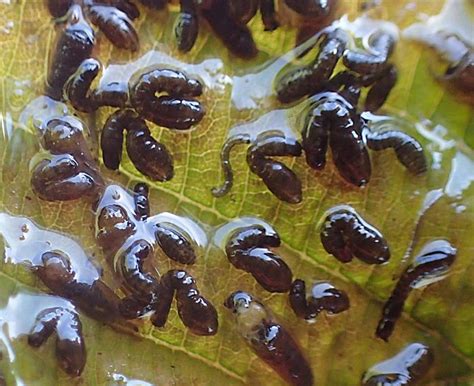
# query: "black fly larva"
404,369
71,172
187,25
345,234
429,266
310,79
70,346
74,45
382,43
380,89
269,339
128,237
150,157
236,36
176,110
279,179
248,249
324,297
334,121
115,25
407,149
65,279
78,85
196,312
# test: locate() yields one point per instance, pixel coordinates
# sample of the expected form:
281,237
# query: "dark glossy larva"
324,297
310,79
74,45
176,110
196,312
70,346
382,43
248,249
70,173
378,93
186,28
116,25
175,245
345,235
279,179
92,296
269,339
111,141
334,122
235,35
150,157
429,266
405,368
78,85
407,149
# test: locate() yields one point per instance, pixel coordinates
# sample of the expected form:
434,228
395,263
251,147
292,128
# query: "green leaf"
340,348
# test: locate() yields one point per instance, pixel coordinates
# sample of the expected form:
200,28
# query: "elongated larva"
71,172
407,149
175,245
269,339
345,234
77,87
404,369
378,93
429,266
196,312
177,110
116,25
70,346
336,121
280,179
226,166
382,43
324,297
236,37
186,28
248,249
95,298
311,79
111,141
74,45
150,157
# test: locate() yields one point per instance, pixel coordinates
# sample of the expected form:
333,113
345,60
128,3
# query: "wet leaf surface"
341,347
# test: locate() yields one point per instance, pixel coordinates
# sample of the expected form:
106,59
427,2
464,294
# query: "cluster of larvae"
332,119
345,235
129,235
229,19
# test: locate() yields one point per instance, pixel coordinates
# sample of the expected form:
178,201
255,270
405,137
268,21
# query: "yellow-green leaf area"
340,348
